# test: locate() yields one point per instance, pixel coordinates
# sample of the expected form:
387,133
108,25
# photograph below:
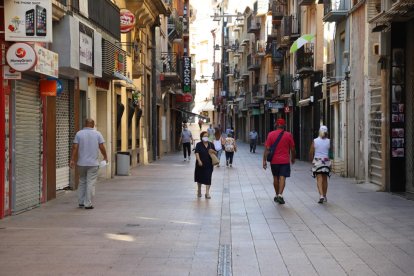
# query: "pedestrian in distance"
204,165
218,142
200,123
211,132
253,140
186,139
230,147
321,163
284,154
85,152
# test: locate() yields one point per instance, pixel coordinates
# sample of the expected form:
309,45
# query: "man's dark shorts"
280,170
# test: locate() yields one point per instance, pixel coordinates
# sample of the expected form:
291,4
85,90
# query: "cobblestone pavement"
152,223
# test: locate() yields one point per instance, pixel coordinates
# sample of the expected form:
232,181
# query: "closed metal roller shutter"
62,137
27,144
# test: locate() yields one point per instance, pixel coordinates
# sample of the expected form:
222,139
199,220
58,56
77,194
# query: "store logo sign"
21,57
127,20
187,74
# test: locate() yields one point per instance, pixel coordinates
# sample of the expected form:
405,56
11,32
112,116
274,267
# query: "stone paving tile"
152,223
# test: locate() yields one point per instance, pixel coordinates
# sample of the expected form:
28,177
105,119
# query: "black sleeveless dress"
203,174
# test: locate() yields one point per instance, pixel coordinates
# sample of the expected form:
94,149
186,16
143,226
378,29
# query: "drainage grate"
132,225
224,265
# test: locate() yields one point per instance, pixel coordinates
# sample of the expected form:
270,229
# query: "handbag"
214,159
272,149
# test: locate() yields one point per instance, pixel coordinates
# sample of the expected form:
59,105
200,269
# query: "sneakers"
208,196
189,158
185,159
325,199
279,199
227,163
321,200
231,165
89,207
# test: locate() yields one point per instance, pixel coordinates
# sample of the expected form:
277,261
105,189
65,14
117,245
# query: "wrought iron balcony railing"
334,10
171,65
253,63
305,59
253,24
278,9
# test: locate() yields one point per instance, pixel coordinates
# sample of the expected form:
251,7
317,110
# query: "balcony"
305,59
175,28
253,24
260,48
186,27
253,63
217,71
334,11
171,66
270,85
306,2
272,32
258,91
286,82
278,9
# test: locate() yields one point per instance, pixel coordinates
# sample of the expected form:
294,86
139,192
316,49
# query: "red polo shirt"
282,154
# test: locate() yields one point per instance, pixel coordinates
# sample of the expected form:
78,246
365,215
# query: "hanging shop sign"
85,47
48,87
275,105
127,20
186,98
21,57
11,74
287,109
47,62
186,74
28,20
334,94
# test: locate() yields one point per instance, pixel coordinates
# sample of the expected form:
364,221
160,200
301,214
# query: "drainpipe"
154,115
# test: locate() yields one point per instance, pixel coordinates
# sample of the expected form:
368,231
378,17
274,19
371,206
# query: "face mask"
205,139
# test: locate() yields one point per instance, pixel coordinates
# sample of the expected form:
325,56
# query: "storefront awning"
402,10
190,113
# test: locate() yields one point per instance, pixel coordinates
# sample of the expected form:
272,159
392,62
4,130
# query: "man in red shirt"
283,156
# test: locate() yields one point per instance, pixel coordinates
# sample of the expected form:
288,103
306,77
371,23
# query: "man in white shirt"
85,152
253,140
211,132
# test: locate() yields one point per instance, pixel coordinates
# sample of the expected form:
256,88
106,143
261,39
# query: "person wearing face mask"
319,153
187,139
204,165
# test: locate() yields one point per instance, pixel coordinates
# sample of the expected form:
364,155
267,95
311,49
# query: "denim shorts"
280,170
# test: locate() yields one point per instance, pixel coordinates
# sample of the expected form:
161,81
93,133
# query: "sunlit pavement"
152,223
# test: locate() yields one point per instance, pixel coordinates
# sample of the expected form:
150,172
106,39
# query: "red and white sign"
21,57
127,20
186,98
287,109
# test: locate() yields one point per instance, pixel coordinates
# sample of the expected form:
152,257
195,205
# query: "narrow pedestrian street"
152,223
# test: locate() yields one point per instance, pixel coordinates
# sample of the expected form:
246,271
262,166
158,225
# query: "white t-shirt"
88,140
217,145
321,147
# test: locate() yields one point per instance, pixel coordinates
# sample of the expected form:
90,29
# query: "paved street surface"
152,223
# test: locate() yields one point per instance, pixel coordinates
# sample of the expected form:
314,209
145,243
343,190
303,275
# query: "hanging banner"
48,87
186,98
186,74
47,62
28,20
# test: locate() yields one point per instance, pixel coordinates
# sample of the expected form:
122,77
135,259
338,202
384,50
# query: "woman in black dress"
204,165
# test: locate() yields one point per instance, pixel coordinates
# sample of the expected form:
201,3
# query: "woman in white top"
218,143
319,152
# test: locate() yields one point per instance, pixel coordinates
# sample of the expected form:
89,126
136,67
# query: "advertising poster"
28,20
47,62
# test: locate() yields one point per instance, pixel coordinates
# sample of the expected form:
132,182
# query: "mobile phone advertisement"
28,20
